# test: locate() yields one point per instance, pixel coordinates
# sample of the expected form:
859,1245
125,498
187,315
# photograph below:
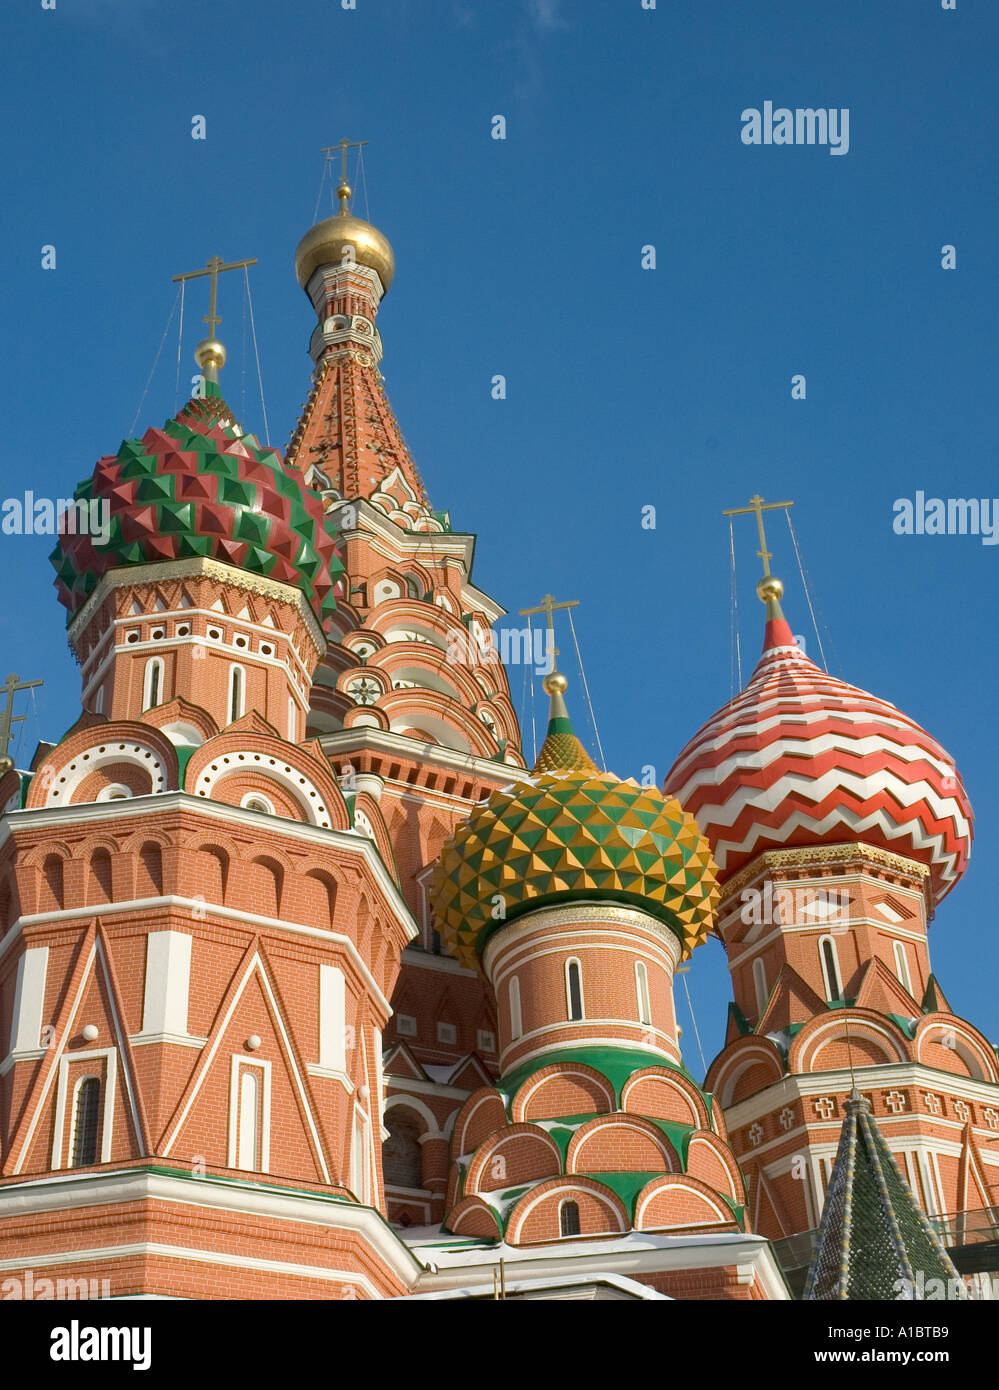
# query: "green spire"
874,1235
561,750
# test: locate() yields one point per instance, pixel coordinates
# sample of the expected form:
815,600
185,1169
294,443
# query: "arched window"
149,872
573,990
360,1167
256,801
830,968
760,985
52,884
99,700
516,1022
292,720
642,987
100,870
237,692
902,967
152,687
402,1156
86,1122
568,1218
248,1152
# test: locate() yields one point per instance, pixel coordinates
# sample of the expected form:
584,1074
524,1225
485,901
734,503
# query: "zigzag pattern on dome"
800,757
200,487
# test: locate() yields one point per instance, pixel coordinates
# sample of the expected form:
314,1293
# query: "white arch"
831,973
302,789
153,683
65,784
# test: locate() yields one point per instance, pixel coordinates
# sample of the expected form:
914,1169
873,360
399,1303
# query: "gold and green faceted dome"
572,833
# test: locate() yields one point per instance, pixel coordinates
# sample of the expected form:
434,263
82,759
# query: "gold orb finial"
345,193
210,355
555,684
769,587
6,763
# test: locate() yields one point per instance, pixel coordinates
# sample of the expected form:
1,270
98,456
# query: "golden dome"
324,244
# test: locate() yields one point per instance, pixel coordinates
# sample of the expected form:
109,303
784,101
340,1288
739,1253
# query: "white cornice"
630,1255
445,965
427,754
203,908
101,812
807,1084
162,571
254,1200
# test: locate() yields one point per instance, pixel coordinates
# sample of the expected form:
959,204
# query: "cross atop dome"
210,353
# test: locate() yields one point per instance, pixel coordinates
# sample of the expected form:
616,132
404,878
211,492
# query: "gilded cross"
757,506
548,607
343,147
7,716
214,268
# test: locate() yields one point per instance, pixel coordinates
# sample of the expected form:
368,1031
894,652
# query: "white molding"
108,1084
255,965
96,813
262,1065
217,910
66,1192
800,1085
178,1039
331,1075
636,1252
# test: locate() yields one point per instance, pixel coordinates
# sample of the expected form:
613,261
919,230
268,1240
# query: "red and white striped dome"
801,758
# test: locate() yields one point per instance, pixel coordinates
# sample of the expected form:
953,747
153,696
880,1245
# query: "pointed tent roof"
561,750
873,1231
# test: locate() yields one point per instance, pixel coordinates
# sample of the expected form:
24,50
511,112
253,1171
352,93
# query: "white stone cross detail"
786,1118
824,1107
895,1101
991,1117
961,1110
932,1103
755,1134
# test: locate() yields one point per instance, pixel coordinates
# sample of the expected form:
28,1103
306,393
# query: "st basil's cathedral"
311,988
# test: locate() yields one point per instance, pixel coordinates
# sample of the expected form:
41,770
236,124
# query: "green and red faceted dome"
200,487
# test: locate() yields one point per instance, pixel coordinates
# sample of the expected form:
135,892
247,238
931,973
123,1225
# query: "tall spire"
347,441
875,1241
561,750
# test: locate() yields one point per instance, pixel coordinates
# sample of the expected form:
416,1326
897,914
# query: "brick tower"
201,936
838,825
579,894
410,702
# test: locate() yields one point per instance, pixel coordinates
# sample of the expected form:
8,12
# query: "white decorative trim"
67,1192
108,1084
263,1066
254,965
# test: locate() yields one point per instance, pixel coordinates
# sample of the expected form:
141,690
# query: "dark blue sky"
522,257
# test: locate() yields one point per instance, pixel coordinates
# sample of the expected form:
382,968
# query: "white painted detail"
332,1018
29,998
168,982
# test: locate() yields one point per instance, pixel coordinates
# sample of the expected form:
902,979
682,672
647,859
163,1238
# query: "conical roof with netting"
875,1240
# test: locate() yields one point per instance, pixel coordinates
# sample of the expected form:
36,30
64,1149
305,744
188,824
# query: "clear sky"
626,387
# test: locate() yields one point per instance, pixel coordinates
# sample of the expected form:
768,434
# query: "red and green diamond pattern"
200,487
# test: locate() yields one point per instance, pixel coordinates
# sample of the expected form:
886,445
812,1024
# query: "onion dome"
326,242
200,487
799,758
571,833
